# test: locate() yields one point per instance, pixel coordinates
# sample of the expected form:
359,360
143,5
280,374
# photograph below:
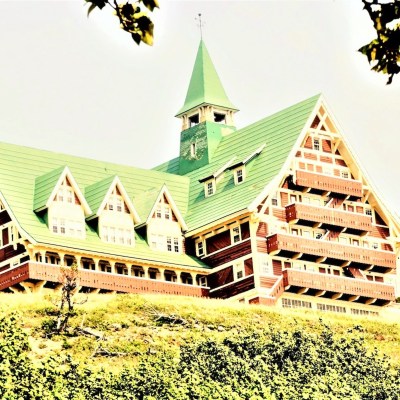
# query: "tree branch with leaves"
383,52
131,16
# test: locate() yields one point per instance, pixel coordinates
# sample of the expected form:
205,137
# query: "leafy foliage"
131,17
383,52
262,364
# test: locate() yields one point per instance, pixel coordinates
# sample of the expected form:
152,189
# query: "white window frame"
209,188
239,175
239,271
236,234
316,144
200,248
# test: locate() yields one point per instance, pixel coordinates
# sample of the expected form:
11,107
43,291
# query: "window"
158,211
274,200
163,210
210,188
239,270
235,234
316,144
68,227
193,149
165,243
345,174
116,203
289,303
220,118
239,176
193,120
202,281
375,246
200,248
368,211
167,211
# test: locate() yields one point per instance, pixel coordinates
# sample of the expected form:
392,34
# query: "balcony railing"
338,284
328,183
334,250
330,216
98,280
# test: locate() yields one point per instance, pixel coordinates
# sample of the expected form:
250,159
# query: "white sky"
81,86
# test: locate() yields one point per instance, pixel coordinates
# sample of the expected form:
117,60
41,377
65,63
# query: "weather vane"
200,24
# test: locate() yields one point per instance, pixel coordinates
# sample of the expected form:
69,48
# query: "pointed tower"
206,115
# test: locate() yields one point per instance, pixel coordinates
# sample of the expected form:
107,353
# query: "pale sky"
80,85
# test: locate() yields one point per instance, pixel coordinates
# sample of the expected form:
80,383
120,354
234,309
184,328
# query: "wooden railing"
13,276
338,284
228,253
327,215
233,288
328,183
335,250
99,280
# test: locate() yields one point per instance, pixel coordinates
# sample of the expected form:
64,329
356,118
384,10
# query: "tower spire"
205,87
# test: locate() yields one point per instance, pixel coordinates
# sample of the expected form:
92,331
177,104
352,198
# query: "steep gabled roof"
47,185
152,202
98,194
205,87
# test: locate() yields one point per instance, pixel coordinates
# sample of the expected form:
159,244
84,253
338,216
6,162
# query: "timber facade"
276,213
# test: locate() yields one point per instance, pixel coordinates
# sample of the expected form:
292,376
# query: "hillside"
137,329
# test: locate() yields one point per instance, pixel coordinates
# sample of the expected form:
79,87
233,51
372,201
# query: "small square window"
239,176
316,145
368,211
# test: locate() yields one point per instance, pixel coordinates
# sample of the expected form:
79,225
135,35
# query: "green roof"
26,170
205,87
95,194
278,132
44,186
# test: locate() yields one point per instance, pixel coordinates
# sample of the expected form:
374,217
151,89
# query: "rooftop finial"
200,24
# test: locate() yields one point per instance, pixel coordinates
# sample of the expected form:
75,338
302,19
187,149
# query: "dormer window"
193,120
163,210
210,188
116,203
220,118
239,175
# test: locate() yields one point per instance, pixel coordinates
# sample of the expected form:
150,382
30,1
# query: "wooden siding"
98,280
330,216
248,267
228,254
338,284
334,250
328,183
381,232
9,251
277,267
234,288
220,278
218,241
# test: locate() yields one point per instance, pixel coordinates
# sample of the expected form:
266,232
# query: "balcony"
98,280
334,252
228,254
338,285
328,216
328,183
233,288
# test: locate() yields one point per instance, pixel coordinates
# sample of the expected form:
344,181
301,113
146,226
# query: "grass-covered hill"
159,347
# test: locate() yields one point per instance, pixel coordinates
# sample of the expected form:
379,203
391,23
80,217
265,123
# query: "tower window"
193,149
193,120
220,118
